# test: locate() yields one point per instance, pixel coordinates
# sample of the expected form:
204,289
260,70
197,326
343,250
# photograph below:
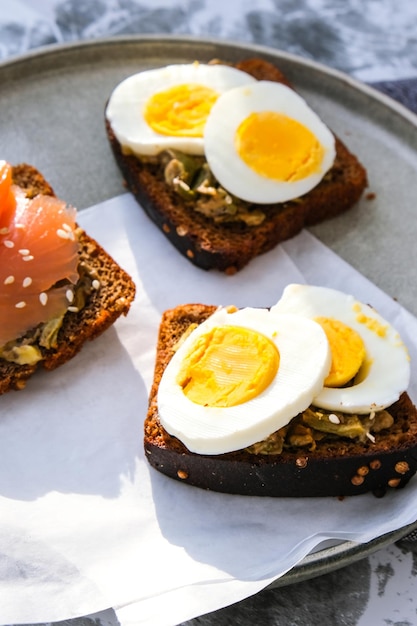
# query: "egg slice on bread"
244,374
262,142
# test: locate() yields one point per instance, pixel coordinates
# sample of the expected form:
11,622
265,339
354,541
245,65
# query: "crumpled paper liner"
87,524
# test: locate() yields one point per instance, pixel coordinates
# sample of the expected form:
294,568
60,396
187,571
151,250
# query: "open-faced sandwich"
308,398
228,161
58,287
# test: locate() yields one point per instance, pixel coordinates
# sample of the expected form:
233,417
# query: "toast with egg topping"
100,293
213,228
318,453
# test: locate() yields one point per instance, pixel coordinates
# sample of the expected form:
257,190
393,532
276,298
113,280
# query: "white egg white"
124,110
304,363
230,110
387,373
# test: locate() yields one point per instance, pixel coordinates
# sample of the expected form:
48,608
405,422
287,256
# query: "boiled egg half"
240,376
168,107
370,363
264,144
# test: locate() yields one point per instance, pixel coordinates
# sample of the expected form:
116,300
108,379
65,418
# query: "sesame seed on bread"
104,305
336,467
229,246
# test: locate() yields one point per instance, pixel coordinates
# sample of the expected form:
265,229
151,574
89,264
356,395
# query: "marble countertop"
372,41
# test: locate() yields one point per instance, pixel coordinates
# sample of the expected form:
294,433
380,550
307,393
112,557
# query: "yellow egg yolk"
347,348
227,366
180,111
278,147
7,197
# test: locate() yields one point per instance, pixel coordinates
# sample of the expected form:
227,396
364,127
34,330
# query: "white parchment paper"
86,524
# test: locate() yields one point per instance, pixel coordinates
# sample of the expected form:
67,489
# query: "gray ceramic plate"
52,113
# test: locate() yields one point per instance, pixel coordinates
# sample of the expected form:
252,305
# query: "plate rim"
54,49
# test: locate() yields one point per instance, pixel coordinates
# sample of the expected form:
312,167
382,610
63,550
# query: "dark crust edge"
104,307
229,247
349,470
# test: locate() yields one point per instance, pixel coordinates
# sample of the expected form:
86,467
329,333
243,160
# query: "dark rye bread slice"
105,304
335,468
229,247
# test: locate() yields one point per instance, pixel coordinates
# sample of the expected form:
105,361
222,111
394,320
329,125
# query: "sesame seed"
95,284
43,298
334,419
27,281
20,305
67,227
371,437
8,243
4,231
19,226
9,280
29,257
69,295
24,251
63,234
73,309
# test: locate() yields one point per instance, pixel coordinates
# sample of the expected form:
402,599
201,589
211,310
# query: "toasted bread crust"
229,247
104,305
335,468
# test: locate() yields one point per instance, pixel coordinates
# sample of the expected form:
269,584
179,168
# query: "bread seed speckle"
9,280
334,419
95,284
29,257
363,471
69,294
301,461
27,281
190,254
24,251
8,243
394,482
20,305
357,480
375,464
402,467
182,474
181,231
166,228
43,298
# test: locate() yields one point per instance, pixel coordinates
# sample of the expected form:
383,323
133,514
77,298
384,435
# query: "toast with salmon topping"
92,295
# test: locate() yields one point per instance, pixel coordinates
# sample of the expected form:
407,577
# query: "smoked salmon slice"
38,258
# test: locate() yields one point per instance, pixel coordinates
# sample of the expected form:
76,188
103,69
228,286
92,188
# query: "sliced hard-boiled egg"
370,366
168,107
264,144
240,376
